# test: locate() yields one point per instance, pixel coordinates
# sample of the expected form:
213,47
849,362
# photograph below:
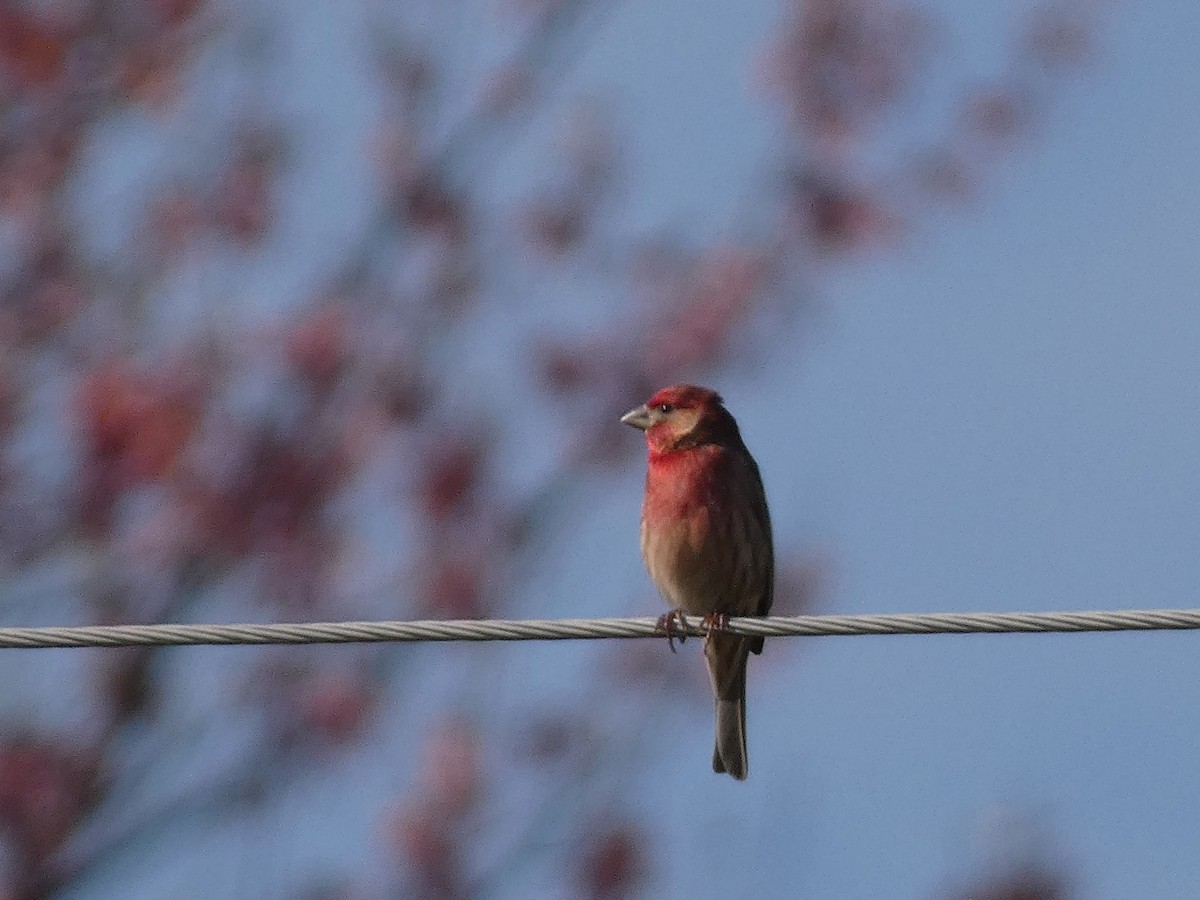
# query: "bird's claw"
673,625
712,623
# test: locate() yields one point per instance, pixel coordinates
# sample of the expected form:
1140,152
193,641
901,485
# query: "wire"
579,629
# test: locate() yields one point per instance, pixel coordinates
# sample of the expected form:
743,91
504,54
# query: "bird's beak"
638,418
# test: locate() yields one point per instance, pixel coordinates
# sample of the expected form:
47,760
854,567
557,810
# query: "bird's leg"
668,623
714,622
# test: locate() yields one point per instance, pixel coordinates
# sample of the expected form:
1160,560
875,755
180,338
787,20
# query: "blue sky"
1002,414
999,414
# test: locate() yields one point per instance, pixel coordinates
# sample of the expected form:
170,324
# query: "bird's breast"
682,538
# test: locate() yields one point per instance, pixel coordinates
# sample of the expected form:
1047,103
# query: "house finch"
706,540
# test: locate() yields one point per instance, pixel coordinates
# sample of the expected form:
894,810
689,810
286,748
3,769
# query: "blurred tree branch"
323,447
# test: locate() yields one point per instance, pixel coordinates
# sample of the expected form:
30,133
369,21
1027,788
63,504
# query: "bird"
706,540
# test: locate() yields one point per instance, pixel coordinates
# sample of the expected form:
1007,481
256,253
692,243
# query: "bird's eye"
666,408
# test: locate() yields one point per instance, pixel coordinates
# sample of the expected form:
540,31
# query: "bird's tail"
727,656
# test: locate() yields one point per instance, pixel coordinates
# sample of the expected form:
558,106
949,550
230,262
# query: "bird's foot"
673,625
712,623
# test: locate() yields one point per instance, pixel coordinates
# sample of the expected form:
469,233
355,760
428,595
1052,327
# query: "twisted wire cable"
585,629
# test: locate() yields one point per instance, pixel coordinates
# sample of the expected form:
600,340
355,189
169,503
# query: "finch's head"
683,416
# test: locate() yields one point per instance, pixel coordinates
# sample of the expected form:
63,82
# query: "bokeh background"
328,310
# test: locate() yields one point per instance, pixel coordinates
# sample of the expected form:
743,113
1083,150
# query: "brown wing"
762,517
